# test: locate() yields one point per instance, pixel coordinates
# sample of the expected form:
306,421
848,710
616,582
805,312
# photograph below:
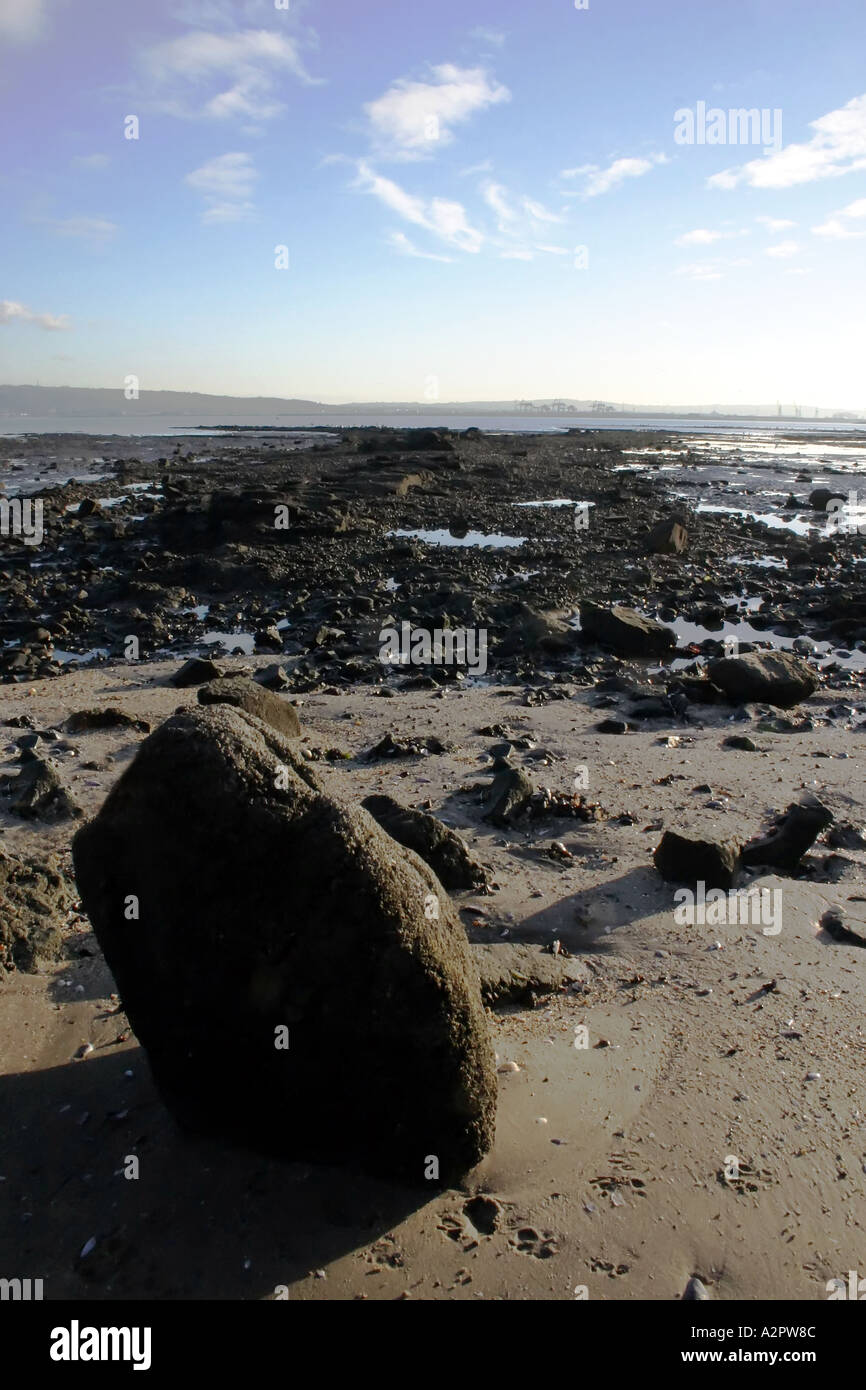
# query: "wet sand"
609,1169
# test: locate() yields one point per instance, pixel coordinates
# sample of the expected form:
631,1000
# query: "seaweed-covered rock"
253,698
300,981
35,897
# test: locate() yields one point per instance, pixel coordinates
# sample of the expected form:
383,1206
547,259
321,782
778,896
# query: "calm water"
103,426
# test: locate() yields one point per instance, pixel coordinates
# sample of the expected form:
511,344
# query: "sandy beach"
706,1046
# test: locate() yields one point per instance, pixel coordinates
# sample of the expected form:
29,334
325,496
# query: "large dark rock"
667,538
508,795
438,846
531,631
821,496
683,860
625,631
253,698
36,895
785,846
262,904
769,677
196,671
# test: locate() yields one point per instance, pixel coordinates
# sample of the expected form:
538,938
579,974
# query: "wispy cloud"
783,251
13,312
226,183
520,221
243,66
712,269
412,119
95,230
775,224
703,236
600,180
89,161
491,36
406,247
837,147
838,230
445,219
23,21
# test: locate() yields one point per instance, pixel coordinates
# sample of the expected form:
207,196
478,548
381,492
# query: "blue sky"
480,199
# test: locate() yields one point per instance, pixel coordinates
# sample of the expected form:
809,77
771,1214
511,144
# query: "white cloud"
90,161
600,180
703,236
836,229
492,36
699,271
699,237
837,147
520,221
541,213
22,21
226,184
713,269
402,243
516,256
495,196
248,61
784,250
12,312
775,224
413,119
445,219
96,230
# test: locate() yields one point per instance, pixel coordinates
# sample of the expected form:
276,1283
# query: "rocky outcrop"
769,677
625,630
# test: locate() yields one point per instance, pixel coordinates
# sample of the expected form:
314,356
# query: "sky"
348,200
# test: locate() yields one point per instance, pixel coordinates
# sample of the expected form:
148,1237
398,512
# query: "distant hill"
196,407
91,401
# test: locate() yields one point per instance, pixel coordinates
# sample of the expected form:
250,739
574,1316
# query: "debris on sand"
85,720
39,793
391,747
796,832
438,846
513,974
36,896
832,923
